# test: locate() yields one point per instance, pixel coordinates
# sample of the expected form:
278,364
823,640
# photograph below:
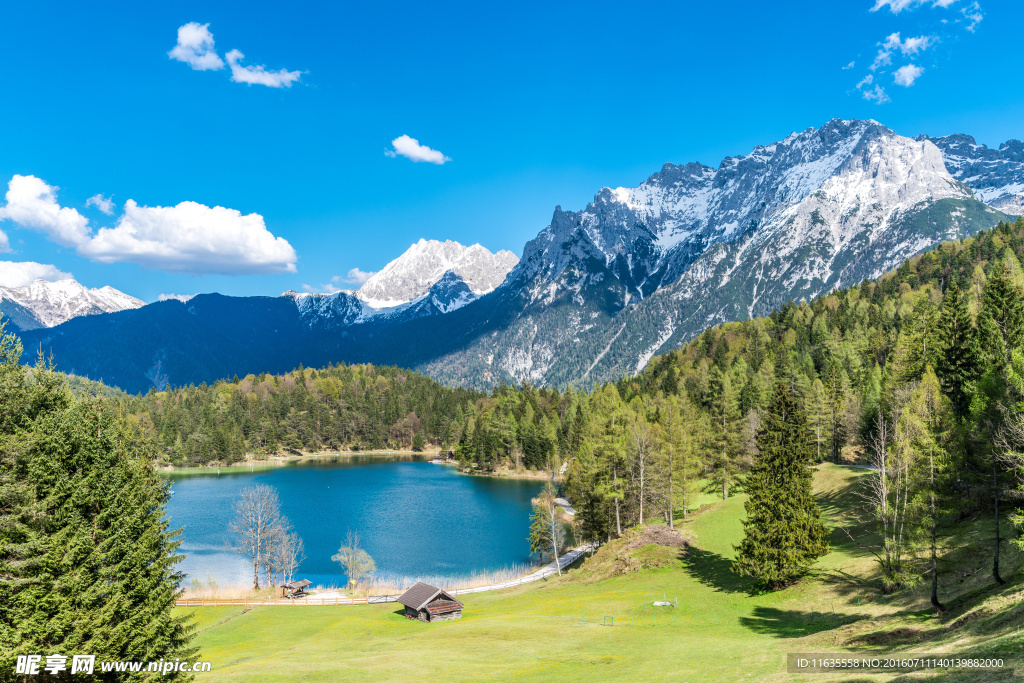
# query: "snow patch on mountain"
995,175
411,275
52,303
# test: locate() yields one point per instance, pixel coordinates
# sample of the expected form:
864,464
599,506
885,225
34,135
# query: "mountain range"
42,303
601,290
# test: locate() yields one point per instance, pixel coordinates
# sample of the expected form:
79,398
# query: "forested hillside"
355,407
919,369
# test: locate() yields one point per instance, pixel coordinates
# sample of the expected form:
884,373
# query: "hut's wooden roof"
421,594
298,585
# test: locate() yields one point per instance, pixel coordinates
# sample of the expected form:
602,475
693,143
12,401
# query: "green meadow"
597,622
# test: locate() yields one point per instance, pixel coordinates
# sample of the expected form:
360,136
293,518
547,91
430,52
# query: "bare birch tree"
546,530
257,520
356,562
641,454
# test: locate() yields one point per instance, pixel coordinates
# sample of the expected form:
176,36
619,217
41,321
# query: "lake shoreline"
282,460
273,462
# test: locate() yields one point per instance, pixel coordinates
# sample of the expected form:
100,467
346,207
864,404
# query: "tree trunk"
995,495
935,563
725,486
671,512
618,523
554,537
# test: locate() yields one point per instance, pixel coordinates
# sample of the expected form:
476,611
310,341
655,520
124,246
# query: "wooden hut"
294,589
427,603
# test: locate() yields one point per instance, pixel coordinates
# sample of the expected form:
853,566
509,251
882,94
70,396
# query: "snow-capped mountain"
599,291
995,175
430,278
42,303
411,275
642,270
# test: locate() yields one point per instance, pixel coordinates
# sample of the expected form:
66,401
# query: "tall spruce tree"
958,364
1001,329
87,564
725,442
784,533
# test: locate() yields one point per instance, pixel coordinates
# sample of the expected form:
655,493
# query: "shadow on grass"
795,623
715,571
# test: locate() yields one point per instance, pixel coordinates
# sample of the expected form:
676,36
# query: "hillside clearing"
562,629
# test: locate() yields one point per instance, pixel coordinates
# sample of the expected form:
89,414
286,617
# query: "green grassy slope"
553,630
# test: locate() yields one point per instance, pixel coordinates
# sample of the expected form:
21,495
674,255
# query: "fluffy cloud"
910,46
258,75
187,238
175,297
195,47
31,203
104,204
972,13
192,238
906,75
897,6
874,94
410,148
19,274
354,277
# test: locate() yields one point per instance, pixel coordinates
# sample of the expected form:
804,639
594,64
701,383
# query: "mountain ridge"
642,270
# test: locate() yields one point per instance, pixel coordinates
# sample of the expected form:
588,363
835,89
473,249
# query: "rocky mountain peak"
411,275
43,303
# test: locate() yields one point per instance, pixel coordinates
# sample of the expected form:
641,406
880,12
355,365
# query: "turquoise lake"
415,518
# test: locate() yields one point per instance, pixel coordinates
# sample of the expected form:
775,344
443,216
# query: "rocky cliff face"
995,175
642,270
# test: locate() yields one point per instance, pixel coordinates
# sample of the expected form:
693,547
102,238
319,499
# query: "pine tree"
724,445
784,533
1001,330
87,563
835,390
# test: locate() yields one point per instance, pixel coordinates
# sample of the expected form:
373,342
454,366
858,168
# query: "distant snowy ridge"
45,304
411,275
995,175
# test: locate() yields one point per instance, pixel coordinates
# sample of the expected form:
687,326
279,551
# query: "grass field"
560,629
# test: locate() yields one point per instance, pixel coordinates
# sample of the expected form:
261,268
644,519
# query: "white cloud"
897,6
195,47
354,277
187,238
19,274
410,148
972,13
175,297
910,46
104,204
258,75
875,94
849,66
192,238
906,75
31,203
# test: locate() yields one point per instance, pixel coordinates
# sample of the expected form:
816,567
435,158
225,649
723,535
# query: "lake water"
413,517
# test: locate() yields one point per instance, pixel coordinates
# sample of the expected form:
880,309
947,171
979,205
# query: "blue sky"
534,105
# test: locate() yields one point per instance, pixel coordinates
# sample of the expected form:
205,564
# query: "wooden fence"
259,602
543,573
